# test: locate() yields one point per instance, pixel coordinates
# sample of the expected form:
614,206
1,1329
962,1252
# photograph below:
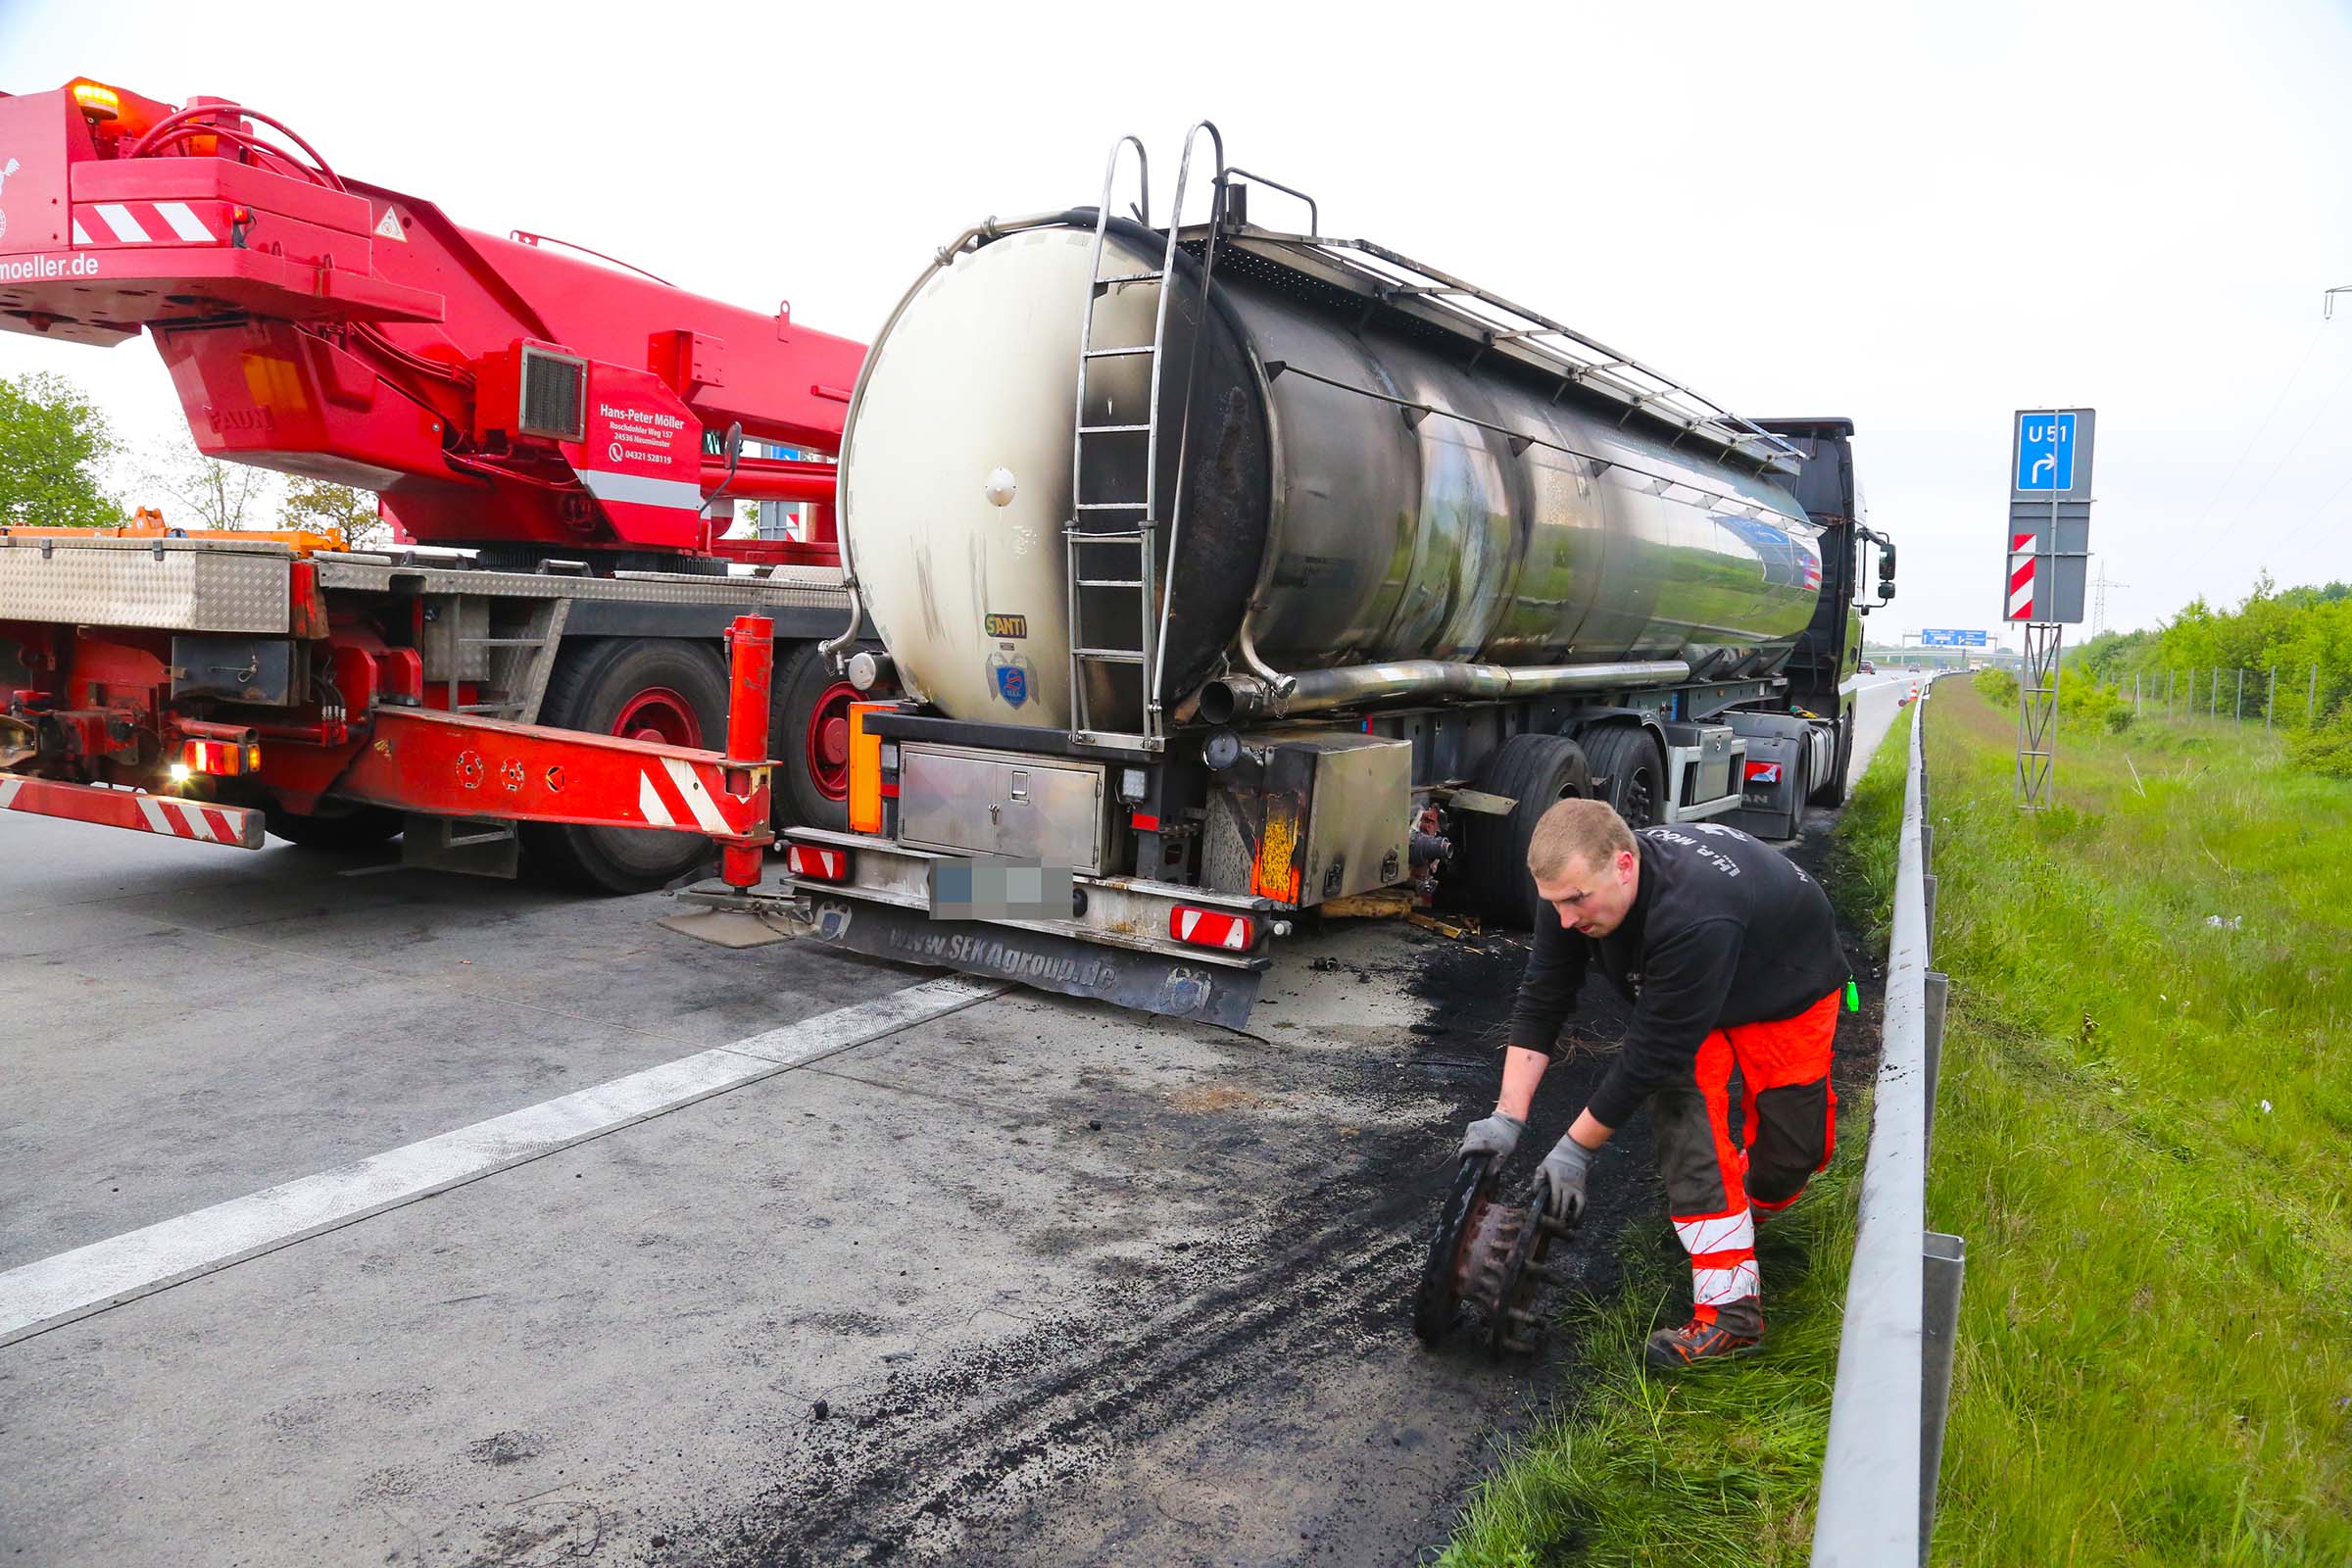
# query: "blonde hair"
1576,830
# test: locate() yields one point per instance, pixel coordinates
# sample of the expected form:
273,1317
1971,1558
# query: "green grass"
1719,1468
2155,1358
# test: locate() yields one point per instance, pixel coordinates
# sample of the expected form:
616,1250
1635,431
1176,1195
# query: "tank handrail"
1156,672
1143,179
1314,219
1436,297
1521,440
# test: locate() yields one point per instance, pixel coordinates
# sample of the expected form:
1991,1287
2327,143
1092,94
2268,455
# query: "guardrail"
1902,1302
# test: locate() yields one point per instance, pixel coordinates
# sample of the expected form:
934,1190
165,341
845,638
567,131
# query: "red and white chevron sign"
134,223
168,814
2021,576
673,792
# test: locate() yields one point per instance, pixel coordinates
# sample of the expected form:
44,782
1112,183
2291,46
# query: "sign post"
2049,556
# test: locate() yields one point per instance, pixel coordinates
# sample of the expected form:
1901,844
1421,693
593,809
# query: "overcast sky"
1922,218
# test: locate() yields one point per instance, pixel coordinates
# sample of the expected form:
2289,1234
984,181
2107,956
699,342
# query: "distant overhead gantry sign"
1953,637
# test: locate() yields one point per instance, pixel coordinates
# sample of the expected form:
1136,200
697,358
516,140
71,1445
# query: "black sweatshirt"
1724,930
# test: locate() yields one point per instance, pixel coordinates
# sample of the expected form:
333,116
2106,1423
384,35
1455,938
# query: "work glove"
1559,1189
1497,1135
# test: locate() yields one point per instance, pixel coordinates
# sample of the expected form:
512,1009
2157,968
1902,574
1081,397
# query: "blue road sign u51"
2046,452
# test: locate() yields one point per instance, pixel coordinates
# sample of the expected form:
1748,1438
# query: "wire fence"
2274,698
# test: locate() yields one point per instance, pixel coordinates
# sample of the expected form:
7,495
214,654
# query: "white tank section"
956,475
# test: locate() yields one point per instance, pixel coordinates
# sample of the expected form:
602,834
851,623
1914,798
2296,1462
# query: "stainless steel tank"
1356,490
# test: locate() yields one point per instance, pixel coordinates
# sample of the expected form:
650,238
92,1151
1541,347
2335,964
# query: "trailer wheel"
1628,759
361,827
654,688
1538,772
810,735
1832,789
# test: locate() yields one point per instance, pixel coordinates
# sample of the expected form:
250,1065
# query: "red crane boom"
493,391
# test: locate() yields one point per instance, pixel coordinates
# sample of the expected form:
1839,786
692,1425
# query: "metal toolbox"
170,584
1000,803
1710,753
1305,816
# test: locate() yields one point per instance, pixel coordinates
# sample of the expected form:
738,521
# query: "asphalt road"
1025,1280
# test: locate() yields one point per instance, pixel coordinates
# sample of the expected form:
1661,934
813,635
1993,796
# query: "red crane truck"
557,441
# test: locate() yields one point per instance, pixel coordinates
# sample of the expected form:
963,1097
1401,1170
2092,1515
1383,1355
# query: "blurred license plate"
999,890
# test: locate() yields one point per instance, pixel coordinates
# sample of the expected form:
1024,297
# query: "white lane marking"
123,1268
649,803
117,217
698,799
184,223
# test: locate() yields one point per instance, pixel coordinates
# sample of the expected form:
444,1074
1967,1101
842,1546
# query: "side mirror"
1886,591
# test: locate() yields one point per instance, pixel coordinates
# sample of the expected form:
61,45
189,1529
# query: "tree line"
63,466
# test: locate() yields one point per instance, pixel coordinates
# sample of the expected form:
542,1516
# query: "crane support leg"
459,764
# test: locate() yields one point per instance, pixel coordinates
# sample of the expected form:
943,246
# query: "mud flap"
1149,982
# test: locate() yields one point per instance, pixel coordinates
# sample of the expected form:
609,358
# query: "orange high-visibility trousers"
1789,1123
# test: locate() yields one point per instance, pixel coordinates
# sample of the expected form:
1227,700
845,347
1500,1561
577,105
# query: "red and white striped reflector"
1207,928
2021,576
150,223
679,792
821,865
1763,773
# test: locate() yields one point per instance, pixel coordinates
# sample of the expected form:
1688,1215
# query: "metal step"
1119,354
1113,429
1112,656
1114,506
1083,537
1110,582
1130,278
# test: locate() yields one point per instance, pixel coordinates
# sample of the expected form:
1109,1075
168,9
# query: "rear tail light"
817,865
224,759
1212,928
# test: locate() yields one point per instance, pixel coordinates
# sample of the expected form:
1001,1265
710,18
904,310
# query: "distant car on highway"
1911,669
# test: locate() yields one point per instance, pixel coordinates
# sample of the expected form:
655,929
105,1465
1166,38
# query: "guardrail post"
1940,991
1943,1264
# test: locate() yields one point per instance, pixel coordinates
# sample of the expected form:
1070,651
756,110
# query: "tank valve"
1000,487
869,670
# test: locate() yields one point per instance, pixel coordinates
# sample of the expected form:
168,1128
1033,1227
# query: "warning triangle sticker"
389,227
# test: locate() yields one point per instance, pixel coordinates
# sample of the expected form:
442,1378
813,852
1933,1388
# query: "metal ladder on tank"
1109,543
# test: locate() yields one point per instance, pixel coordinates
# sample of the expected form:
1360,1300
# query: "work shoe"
1703,1339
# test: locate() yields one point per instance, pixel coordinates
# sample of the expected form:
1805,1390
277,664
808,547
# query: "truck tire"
1832,789
1538,772
653,688
1634,770
360,827
809,733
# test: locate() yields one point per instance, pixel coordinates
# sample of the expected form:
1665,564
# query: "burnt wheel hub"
1488,1257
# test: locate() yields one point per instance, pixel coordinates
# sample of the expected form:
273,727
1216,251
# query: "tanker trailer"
1229,572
